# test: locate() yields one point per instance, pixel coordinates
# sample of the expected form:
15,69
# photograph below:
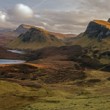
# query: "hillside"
62,78
35,38
96,35
55,76
23,28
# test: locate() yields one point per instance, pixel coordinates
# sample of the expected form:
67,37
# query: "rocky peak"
22,28
37,35
98,29
109,20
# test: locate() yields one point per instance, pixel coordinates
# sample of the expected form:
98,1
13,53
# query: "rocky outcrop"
22,28
98,29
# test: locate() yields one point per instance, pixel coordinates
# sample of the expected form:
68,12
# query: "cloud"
67,16
16,15
3,20
2,16
20,14
64,21
20,11
24,11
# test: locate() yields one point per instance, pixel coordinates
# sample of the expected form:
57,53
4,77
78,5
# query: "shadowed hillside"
35,38
23,28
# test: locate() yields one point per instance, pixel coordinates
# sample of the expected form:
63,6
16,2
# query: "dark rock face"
35,38
38,35
21,29
32,35
95,30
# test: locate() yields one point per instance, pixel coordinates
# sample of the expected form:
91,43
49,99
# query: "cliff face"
23,28
98,29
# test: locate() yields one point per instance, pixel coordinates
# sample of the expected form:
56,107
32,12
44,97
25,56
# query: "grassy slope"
62,96
93,43
84,41
17,44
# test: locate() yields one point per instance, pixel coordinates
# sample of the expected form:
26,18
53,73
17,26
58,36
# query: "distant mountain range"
31,37
8,35
23,28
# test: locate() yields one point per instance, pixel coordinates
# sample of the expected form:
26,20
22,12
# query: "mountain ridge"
35,38
21,29
98,28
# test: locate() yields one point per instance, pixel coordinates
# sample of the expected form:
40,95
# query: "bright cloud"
22,10
2,16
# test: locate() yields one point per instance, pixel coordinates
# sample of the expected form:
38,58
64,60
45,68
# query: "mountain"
97,35
23,28
31,37
98,29
96,40
63,78
35,38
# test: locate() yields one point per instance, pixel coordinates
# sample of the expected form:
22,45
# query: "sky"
65,16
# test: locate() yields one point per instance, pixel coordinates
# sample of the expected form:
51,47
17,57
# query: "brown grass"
104,23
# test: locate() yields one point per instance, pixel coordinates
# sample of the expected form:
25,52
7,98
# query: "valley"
54,55
39,71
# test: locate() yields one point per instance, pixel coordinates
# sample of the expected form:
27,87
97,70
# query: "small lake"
12,61
9,61
16,51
